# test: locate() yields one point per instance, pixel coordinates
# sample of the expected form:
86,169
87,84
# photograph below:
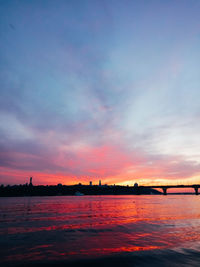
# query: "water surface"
141,230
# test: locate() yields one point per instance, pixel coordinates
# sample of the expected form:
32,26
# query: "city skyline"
100,90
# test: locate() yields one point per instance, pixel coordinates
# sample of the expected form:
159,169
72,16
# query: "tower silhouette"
30,184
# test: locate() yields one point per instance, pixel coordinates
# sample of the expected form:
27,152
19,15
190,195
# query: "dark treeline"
51,190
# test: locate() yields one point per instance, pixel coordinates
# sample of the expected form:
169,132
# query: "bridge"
165,187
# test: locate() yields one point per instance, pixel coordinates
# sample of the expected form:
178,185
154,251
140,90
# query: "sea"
142,230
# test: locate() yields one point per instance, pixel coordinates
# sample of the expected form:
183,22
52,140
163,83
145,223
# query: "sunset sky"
106,89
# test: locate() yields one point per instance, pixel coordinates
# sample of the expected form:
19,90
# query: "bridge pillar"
164,191
196,190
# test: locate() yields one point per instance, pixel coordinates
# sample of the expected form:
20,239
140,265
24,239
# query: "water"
100,230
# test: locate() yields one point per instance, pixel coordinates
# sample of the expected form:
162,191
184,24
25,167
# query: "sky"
106,89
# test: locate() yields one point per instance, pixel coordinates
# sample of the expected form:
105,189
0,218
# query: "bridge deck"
165,187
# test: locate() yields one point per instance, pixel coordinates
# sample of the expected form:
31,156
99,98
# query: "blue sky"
100,89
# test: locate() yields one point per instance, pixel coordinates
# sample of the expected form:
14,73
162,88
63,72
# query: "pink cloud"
111,163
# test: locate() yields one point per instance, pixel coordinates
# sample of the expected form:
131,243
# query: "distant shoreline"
73,190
